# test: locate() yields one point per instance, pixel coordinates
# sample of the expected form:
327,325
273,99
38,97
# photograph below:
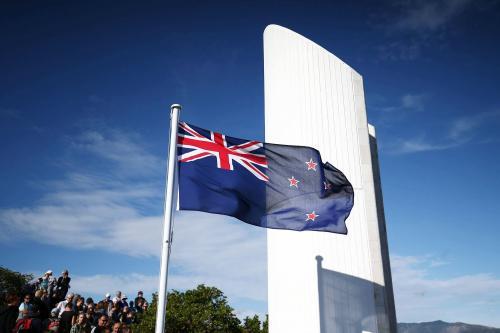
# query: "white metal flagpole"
168,218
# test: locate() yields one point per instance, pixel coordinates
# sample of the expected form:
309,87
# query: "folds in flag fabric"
267,185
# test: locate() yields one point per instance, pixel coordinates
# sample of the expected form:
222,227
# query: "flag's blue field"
267,185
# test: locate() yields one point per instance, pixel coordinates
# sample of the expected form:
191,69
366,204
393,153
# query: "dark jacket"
8,318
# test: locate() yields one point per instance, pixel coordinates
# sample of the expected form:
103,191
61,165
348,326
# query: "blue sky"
84,102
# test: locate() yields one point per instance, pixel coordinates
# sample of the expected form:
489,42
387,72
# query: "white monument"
323,282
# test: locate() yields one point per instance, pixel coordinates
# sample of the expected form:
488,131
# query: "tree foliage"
12,282
203,309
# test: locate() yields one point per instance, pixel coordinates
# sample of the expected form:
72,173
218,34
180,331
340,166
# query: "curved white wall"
312,98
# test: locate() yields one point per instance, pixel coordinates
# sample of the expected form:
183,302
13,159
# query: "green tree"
204,309
12,282
251,325
265,325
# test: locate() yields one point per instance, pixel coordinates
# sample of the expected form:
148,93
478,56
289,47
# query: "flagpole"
168,218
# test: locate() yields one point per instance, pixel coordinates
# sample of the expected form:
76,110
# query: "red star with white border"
294,182
311,216
311,165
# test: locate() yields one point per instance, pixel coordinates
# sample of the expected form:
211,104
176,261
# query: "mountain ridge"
440,326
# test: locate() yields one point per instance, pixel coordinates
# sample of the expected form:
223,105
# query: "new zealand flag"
267,185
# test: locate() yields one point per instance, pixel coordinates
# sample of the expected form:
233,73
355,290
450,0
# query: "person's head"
126,329
38,293
107,296
118,294
117,328
89,300
11,298
69,297
65,273
90,308
140,293
27,298
68,307
125,309
48,273
103,321
81,318
79,301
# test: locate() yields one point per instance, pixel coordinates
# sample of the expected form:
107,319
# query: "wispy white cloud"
419,25
429,15
125,149
464,127
100,284
223,252
419,144
460,131
407,102
422,297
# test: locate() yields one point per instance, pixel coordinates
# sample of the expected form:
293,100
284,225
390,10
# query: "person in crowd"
39,307
89,301
58,310
102,324
138,306
131,318
80,305
45,299
118,297
140,297
126,329
107,298
51,288
45,280
26,305
124,301
100,308
62,285
91,315
124,317
117,328
9,314
81,325
66,319
114,314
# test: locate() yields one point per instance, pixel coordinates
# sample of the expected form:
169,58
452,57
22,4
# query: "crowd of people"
47,306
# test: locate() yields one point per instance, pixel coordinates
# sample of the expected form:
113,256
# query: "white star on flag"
294,182
311,216
311,165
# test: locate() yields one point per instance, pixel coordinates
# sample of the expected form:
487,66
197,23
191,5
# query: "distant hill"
444,327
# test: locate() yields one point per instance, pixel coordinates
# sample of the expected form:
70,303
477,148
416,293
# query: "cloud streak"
419,297
423,16
419,25
460,131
